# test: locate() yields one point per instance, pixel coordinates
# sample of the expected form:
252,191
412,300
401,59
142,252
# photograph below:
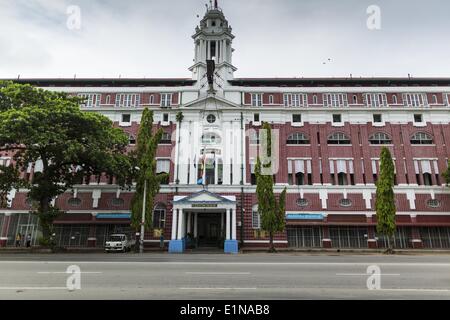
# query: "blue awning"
113,215
304,216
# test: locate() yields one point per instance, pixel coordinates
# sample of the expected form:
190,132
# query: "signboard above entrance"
304,216
204,205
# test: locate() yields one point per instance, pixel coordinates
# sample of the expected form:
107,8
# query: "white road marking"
367,274
218,273
33,288
235,263
63,272
217,288
419,290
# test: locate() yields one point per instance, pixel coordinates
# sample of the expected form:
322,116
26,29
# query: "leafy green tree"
9,179
147,144
39,125
385,199
446,174
271,211
179,119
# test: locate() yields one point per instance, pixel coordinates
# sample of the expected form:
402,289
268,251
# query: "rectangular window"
377,118
296,118
375,100
257,99
414,100
126,118
256,117
162,166
418,118
166,99
165,117
335,100
256,221
90,99
128,100
337,118
295,100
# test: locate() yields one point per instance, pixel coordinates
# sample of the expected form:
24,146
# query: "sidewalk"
318,251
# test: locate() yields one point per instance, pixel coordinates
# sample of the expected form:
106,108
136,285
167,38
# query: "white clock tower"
213,41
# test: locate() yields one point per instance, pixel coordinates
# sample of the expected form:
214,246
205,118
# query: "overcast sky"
274,38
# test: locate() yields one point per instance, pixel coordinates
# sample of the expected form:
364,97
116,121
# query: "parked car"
119,242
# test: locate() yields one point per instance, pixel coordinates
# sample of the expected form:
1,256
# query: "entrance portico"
205,218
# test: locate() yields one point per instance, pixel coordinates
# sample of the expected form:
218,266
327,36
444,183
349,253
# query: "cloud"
279,38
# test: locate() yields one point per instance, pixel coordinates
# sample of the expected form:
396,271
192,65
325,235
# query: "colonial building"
328,134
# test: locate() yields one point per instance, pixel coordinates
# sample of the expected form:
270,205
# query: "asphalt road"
217,276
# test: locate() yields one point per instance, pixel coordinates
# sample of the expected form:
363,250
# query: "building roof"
106,82
343,82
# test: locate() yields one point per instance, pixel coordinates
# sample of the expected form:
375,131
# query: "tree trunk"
46,221
271,246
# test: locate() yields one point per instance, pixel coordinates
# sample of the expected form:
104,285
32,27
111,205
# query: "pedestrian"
29,240
18,239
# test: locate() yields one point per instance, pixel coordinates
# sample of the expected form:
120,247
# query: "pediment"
217,102
203,197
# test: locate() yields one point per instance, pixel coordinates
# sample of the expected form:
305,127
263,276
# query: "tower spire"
215,4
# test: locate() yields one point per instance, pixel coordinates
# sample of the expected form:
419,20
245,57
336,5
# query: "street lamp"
141,238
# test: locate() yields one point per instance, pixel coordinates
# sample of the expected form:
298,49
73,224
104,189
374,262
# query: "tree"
147,144
446,175
9,179
179,118
385,201
271,211
38,125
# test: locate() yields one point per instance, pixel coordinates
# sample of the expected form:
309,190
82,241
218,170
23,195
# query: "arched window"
166,138
345,202
380,138
394,99
159,216
300,178
131,139
117,202
338,138
74,202
315,99
297,138
434,99
256,218
421,138
355,99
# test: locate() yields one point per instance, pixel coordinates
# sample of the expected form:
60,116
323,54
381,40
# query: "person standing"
18,239
29,240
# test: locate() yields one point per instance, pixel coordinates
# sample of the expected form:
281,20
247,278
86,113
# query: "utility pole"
141,239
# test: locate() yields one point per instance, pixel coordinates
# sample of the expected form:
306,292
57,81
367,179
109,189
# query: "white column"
195,225
174,223
180,224
227,224
222,48
233,224
222,218
189,217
